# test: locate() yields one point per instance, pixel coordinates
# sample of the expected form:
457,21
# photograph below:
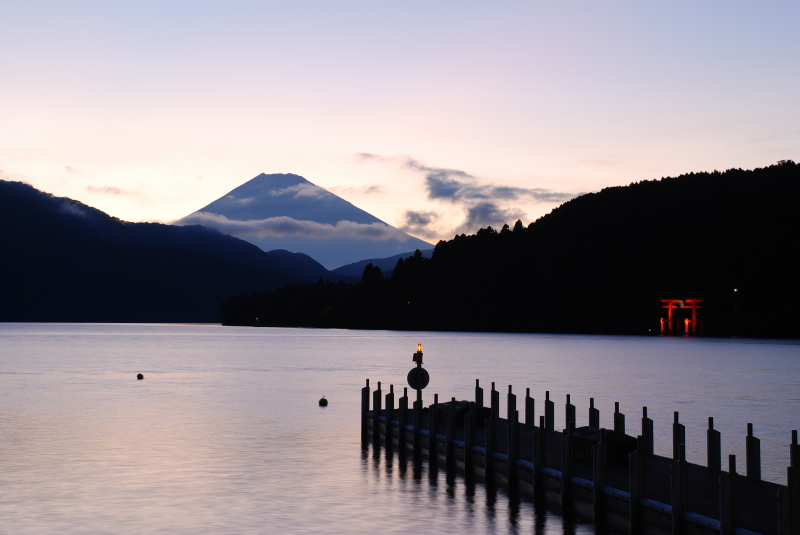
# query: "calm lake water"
224,435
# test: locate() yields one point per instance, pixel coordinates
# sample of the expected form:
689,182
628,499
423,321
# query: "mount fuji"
286,211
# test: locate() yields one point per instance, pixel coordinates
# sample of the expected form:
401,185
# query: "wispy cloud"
286,226
373,189
71,170
109,190
420,223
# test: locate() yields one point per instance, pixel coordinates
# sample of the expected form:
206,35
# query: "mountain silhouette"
65,261
286,211
599,263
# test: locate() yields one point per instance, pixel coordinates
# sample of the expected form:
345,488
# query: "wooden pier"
600,475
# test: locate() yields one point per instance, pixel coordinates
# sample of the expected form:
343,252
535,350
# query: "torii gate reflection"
690,326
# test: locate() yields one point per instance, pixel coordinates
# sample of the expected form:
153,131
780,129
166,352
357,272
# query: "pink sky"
150,110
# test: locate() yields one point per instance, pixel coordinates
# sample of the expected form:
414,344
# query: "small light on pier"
419,348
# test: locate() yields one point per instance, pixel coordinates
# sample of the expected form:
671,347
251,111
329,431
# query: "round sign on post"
418,378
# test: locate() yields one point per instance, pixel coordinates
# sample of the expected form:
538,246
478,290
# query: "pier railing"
602,475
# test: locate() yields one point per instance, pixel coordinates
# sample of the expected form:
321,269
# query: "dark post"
417,415
752,454
678,437
567,464
570,412
636,482
490,444
513,448
451,429
433,429
539,457
794,454
647,433
599,473
478,394
495,395
376,412
680,490
549,412
402,419
714,448
469,435
512,405
729,498
619,419
788,511
389,416
364,410
594,415
530,415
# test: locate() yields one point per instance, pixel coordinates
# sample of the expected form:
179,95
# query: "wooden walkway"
638,492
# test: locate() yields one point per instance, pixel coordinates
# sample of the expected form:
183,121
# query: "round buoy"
323,402
140,376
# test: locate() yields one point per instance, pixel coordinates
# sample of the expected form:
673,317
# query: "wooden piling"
513,448
636,480
570,413
549,412
512,405
389,399
402,419
433,428
647,433
478,394
678,437
490,444
794,453
495,402
567,465
729,498
539,457
714,446
599,474
417,418
752,454
364,410
594,415
376,412
469,434
619,419
451,430
530,414
679,490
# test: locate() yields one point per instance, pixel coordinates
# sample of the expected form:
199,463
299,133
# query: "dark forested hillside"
599,263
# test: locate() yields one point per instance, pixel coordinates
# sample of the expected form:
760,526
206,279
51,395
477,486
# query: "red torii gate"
690,325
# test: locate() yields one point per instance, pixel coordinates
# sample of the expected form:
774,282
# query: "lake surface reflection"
224,434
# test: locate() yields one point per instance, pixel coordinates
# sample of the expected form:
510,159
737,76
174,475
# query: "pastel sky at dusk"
151,110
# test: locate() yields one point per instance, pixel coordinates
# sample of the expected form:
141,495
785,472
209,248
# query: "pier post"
594,415
599,474
570,413
417,417
752,454
680,490
619,419
512,405
567,465
729,498
469,436
539,458
794,454
433,429
549,412
636,482
490,444
364,410
678,437
530,414
495,401
714,446
513,449
478,394
451,430
389,416
402,420
647,433
376,413
789,497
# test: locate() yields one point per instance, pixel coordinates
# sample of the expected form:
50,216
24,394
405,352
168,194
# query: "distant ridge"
598,264
286,211
65,261
356,269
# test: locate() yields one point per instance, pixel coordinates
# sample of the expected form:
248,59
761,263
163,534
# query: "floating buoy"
140,376
323,402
